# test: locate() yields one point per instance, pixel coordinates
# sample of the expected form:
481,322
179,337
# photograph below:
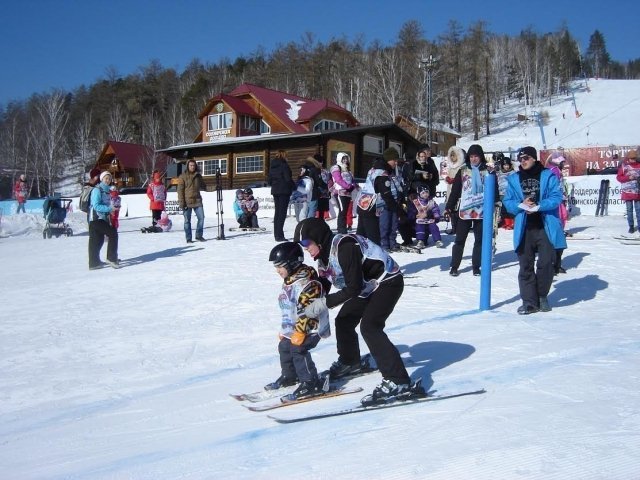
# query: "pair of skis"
247,229
335,391
628,239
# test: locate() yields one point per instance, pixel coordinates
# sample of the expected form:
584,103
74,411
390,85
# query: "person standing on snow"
369,284
299,332
100,211
533,196
424,172
343,185
455,160
282,184
21,192
629,177
190,200
468,193
157,193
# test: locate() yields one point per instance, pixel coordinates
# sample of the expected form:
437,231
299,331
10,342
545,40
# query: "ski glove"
297,338
316,308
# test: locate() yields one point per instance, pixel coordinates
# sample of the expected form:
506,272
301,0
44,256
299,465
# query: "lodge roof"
291,109
132,155
235,103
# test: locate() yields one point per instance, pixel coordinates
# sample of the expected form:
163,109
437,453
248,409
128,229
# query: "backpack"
85,198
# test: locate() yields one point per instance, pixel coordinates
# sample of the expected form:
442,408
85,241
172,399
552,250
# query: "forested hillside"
476,71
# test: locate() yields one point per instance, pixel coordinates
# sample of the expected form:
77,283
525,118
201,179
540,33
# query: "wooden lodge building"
241,131
130,164
442,137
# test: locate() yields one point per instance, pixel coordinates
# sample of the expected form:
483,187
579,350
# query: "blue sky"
51,44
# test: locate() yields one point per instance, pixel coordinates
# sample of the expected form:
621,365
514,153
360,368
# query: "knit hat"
633,154
475,149
391,154
532,152
94,172
104,174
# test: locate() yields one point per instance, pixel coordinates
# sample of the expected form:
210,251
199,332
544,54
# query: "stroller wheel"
69,233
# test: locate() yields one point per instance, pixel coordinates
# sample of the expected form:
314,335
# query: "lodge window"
250,164
220,121
264,127
249,123
328,125
373,144
209,167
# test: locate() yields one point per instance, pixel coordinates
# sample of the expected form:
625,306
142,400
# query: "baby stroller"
55,213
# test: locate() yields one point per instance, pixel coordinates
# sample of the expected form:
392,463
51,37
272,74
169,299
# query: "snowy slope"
116,374
608,115
125,374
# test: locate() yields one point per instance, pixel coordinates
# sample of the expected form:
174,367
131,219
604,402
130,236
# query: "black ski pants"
535,282
280,205
462,232
368,225
295,360
372,313
97,230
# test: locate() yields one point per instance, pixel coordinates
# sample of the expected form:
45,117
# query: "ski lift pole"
220,211
487,240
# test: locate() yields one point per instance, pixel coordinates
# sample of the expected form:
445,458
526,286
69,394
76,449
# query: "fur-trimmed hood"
455,157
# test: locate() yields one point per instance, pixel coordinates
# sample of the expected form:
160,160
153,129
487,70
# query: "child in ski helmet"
299,333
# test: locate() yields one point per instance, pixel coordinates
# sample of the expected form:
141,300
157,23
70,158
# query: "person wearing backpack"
157,193
100,211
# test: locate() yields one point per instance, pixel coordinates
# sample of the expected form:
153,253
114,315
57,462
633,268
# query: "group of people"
368,282
104,212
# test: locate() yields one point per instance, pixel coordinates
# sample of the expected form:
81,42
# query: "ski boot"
281,382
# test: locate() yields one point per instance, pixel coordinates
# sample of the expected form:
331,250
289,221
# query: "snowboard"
626,237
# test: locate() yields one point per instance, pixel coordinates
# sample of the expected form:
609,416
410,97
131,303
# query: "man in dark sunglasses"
534,196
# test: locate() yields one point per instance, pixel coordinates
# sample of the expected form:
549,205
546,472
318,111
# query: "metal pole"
429,64
220,210
487,240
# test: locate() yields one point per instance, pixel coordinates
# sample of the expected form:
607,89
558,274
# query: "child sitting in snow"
298,333
424,211
165,222
245,208
115,203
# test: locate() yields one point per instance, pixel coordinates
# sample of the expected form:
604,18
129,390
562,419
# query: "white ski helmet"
342,160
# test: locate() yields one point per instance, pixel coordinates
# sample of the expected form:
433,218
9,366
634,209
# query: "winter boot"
631,229
439,244
420,244
281,382
339,369
527,309
544,305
